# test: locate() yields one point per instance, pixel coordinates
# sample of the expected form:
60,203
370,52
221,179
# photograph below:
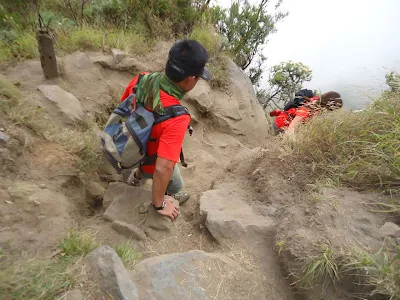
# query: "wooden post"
47,54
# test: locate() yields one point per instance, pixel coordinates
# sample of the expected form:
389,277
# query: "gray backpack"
128,128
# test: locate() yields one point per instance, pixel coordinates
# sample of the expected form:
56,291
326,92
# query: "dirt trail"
43,196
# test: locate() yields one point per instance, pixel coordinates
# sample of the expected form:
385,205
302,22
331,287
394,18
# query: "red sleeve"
171,138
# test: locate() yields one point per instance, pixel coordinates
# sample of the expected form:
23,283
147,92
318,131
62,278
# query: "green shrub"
79,39
129,42
19,46
206,36
218,68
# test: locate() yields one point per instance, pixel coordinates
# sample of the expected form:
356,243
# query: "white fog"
349,44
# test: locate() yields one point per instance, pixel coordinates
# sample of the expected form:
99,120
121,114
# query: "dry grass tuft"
358,149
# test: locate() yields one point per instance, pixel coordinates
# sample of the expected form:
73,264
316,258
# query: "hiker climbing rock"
129,140
304,106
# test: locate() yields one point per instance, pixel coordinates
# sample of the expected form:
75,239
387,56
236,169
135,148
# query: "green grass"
9,95
356,149
129,42
48,277
25,46
38,278
127,253
78,243
378,272
320,269
79,39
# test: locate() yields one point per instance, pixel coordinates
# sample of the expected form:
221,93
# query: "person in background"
300,109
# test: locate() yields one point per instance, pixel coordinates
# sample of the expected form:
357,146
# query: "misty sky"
349,44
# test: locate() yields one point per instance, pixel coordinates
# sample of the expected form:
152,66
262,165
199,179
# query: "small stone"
223,145
128,230
43,186
8,201
74,294
118,55
390,229
4,137
191,168
95,193
2,129
36,202
256,172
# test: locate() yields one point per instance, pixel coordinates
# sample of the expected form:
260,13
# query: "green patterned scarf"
148,91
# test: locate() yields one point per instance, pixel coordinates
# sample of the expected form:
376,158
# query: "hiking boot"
181,197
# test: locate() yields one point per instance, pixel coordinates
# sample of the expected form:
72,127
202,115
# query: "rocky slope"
248,203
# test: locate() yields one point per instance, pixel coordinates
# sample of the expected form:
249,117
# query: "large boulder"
106,269
201,96
132,205
228,216
194,275
236,110
66,104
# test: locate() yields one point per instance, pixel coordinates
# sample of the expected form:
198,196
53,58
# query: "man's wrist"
162,206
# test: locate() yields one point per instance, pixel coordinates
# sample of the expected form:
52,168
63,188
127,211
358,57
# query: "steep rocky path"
44,195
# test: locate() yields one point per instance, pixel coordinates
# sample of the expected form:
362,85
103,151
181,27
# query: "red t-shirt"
169,134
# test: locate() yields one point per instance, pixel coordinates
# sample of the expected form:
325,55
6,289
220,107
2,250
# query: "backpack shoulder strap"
171,112
130,103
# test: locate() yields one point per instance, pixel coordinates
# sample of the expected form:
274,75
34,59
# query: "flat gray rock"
124,203
66,103
128,230
194,275
4,137
390,229
132,205
228,216
106,269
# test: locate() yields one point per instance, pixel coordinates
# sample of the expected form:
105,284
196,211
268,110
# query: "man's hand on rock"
170,210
